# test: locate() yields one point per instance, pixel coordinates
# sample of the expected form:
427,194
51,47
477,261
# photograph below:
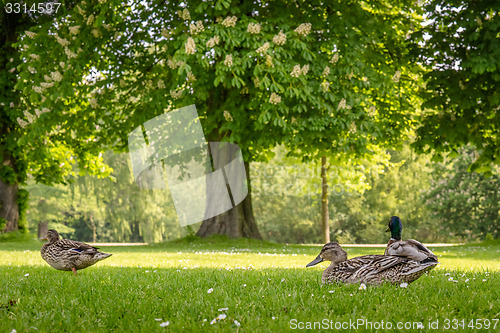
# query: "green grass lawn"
258,286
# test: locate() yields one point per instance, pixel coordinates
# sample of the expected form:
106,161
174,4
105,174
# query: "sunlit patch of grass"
264,287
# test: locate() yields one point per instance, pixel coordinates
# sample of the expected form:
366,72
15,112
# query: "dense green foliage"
460,45
263,286
465,204
436,201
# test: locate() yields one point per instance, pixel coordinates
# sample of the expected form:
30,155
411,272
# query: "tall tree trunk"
236,222
325,225
9,209
43,227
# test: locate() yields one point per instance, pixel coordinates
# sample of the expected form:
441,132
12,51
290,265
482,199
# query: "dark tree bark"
9,209
236,222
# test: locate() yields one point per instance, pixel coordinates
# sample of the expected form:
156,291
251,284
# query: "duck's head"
395,227
52,236
332,252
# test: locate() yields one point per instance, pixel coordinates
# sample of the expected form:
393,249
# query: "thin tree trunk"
236,222
43,227
325,225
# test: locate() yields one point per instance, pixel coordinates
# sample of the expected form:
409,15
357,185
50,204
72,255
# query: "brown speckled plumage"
68,255
369,269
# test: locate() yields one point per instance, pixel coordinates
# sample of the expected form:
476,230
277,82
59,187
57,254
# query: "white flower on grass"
74,30
484,280
331,291
190,46
334,59
253,28
165,324
447,274
30,34
396,76
304,29
13,331
213,321
27,274
466,280
362,286
273,318
158,319
211,290
263,49
450,279
274,98
237,323
222,309
213,41
222,316
283,280
403,285
280,38
229,21
245,285
228,61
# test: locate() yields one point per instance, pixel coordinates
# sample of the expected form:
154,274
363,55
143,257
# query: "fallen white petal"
210,290
223,309
165,324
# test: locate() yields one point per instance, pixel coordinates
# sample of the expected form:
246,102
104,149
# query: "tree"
465,205
461,49
259,74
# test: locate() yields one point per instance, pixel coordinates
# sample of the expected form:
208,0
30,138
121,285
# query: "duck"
369,269
410,248
69,255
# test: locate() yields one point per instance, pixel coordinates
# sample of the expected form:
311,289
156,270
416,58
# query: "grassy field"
240,285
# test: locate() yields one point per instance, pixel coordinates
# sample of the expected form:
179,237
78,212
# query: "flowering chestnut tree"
319,77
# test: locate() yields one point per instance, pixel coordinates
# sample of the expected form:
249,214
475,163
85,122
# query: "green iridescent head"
395,227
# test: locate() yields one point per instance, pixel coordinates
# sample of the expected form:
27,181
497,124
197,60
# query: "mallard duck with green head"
369,269
410,248
68,255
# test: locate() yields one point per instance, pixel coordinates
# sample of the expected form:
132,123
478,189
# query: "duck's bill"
315,261
43,239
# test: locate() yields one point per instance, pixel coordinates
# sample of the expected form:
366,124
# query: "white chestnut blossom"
228,61
274,98
280,38
263,49
335,58
304,29
253,28
190,46
229,21
213,41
